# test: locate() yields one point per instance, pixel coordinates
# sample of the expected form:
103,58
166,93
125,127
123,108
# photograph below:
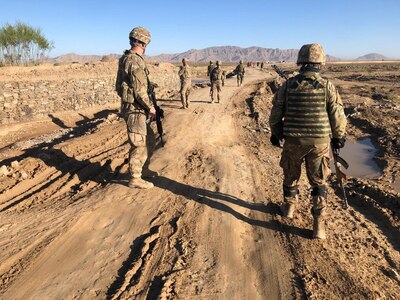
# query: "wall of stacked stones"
22,100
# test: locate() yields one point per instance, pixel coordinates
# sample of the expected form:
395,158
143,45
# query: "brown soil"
210,228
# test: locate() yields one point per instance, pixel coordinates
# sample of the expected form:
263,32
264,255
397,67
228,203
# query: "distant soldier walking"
132,85
223,77
216,82
307,113
239,71
209,69
185,76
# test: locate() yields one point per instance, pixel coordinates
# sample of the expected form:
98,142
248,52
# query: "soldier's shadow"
216,200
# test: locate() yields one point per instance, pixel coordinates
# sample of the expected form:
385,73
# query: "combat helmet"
311,53
218,63
140,34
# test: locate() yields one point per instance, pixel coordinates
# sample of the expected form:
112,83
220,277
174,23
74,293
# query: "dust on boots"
139,183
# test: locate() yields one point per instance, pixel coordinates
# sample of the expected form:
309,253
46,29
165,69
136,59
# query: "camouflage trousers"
142,141
216,88
185,92
316,158
239,79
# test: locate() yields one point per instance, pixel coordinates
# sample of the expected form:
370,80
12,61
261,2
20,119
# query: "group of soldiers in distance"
306,120
217,80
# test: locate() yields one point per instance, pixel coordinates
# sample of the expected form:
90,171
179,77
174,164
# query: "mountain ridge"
223,53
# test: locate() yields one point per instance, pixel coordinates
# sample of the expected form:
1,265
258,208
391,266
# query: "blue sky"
346,29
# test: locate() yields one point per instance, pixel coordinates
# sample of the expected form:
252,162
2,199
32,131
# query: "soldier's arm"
140,85
335,110
278,112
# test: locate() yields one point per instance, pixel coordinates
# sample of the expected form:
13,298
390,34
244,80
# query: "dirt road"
209,229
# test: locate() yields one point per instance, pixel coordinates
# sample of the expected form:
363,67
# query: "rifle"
340,176
159,111
279,71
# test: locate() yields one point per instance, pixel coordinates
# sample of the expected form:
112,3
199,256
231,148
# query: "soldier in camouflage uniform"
308,114
216,81
185,76
239,71
132,85
209,69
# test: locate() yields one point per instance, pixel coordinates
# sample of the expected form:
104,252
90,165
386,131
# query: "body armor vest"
306,112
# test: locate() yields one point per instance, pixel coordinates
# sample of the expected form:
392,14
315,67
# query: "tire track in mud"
53,188
67,174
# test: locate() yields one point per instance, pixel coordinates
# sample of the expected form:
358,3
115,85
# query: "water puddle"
360,156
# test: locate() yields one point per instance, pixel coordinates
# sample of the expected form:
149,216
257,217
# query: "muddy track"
71,228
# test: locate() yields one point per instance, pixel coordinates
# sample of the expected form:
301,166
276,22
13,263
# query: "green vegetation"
22,44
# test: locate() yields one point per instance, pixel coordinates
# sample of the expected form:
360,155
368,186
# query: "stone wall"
36,92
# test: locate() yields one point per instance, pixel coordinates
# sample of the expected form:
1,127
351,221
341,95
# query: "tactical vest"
123,85
306,113
240,69
216,74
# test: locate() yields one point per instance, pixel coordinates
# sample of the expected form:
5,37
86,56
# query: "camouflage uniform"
239,71
209,69
216,82
132,85
185,75
306,110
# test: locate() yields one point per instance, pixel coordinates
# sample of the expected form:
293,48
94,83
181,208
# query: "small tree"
22,44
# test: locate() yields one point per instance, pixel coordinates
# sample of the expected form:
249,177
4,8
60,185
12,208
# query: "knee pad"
290,191
319,190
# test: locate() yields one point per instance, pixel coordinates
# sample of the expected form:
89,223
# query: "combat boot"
319,228
287,210
139,183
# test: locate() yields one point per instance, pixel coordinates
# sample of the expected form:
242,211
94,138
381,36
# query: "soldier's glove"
275,141
338,143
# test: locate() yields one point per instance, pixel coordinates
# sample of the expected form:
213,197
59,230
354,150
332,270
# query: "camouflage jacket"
132,83
240,69
216,74
308,104
185,73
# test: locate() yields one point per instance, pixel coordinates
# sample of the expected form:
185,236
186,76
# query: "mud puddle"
360,156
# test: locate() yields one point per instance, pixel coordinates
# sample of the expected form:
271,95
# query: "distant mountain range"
373,56
234,54
223,53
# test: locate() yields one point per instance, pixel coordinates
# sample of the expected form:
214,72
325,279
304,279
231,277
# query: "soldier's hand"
338,143
152,113
275,141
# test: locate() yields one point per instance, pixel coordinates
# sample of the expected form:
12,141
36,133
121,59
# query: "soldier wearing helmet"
307,115
133,86
185,75
239,71
216,81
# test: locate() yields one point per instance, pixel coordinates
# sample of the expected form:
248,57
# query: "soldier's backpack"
216,74
121,76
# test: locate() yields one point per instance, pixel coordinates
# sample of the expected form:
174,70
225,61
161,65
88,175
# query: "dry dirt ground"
70,228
